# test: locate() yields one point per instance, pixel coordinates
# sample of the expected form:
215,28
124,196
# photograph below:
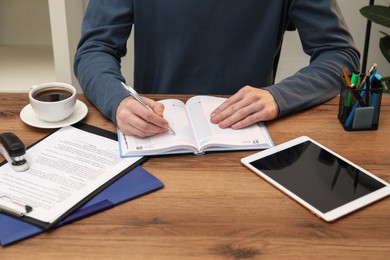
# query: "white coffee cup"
53,101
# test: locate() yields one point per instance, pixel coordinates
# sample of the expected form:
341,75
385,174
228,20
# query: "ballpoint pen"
137,97
6,200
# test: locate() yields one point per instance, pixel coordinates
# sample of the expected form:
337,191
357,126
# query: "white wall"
26,55
24,22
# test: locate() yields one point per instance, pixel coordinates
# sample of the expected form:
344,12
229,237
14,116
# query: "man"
210,47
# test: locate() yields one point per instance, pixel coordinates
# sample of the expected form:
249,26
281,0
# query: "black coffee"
52,94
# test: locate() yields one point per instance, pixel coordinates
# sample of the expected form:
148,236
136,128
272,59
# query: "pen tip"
170,130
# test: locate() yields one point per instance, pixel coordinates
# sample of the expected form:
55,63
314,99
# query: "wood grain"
213,208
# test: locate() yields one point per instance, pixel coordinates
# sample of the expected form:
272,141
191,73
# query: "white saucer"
29,117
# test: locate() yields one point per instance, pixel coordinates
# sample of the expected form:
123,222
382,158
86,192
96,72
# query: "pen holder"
359,108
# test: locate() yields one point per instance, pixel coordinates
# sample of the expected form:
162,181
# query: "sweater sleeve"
326,39
105,30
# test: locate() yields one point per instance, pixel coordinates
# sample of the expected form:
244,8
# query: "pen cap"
355,78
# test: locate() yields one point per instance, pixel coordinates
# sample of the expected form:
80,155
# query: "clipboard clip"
13,150
8,205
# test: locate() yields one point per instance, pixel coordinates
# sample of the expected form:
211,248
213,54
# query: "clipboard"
93,130
132,185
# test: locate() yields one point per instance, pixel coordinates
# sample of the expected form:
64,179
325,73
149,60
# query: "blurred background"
38,40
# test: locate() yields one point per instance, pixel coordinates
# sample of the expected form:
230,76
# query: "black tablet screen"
317,176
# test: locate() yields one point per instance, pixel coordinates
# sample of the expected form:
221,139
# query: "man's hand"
248,106
135,119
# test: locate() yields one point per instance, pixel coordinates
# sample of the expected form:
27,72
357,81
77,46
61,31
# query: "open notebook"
194,132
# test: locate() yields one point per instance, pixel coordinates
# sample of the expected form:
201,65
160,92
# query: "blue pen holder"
359,108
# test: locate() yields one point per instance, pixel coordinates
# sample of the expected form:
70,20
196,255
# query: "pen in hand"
137,97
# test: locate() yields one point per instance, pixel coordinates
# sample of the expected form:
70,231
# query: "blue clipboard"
133,184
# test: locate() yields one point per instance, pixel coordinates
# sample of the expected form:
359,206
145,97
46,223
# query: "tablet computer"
321,180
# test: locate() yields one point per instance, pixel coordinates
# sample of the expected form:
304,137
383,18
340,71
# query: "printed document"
65,168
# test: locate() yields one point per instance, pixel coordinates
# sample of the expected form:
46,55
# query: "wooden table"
214,208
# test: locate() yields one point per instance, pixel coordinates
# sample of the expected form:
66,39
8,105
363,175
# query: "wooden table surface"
214,208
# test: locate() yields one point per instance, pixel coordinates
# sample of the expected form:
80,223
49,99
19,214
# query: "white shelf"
24,66
38,40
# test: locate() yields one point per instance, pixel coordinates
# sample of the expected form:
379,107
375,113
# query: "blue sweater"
212,47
